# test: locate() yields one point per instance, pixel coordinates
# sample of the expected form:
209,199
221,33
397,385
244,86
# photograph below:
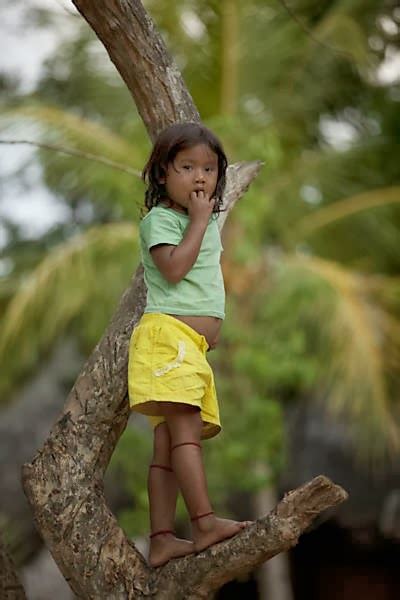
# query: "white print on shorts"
175,364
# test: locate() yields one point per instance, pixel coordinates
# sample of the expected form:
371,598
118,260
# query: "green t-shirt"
201,291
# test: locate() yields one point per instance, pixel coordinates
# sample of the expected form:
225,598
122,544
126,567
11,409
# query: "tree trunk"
139,53
64,482
273,578
10,586
24,426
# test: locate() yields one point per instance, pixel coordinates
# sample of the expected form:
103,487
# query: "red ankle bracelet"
154,466
186,444
160,532
201,516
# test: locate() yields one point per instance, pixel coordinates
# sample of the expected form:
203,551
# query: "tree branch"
64,482
10,586
194,577
140,55
78,153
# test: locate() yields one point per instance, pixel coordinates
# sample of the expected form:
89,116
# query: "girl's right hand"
200,206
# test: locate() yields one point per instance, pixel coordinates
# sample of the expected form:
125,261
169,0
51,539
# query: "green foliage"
276,348
130,463
252,432
77,286
315,330
323,327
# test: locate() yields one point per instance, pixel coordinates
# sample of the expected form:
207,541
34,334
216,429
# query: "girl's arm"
174,262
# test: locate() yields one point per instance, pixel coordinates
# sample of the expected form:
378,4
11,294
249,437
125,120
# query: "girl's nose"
199,176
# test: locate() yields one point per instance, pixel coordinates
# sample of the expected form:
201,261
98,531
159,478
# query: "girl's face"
192,170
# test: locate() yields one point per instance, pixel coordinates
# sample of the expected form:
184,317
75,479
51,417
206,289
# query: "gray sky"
23,49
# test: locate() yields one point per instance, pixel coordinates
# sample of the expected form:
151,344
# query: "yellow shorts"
167,363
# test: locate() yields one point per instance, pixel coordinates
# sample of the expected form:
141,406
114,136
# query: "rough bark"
139,54
10,586
64,482
193,578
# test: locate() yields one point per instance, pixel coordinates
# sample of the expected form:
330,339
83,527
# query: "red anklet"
154,466
160,532
201,516
186,444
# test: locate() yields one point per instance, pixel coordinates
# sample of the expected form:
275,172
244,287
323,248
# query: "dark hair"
172,140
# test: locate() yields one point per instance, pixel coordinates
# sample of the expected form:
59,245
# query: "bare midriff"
207,326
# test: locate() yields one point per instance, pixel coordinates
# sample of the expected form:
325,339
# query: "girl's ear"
162,174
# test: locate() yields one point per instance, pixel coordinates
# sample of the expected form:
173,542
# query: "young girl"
170,379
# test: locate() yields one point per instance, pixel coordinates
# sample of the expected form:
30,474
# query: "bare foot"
211,529
165,546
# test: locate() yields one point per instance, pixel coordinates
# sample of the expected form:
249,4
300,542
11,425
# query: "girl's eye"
209,169
187,167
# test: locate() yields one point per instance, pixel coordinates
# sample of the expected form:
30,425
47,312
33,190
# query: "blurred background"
309,361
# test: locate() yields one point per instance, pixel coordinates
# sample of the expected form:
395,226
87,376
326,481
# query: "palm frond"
82,133
327,169
81,278
67,133
345,35
77,153
362,346
347,207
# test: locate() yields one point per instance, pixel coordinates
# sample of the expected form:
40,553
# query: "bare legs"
163,491
161,484
183,424
187,462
